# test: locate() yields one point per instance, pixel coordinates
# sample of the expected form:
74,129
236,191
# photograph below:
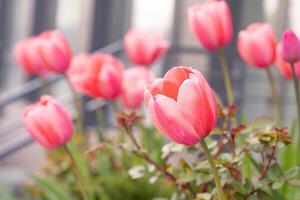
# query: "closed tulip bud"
27,53
290,47
257,45
48,122
285,67
98,75
144,48
211,23
182,105
55,51
135,81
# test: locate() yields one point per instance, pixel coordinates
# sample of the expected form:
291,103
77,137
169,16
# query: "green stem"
275,96
76,172
45,86
214,171
76,105
227,80
296,84
101,122
116,106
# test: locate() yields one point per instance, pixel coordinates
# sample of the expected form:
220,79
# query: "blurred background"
92,25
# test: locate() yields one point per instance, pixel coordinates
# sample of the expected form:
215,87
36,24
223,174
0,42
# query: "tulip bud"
143,48
135,81
257,45
182,105
48,122
285,67
55,51
290,47
211,23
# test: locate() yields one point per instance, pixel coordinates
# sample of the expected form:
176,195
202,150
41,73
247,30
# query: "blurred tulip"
55,51
144,48
97,75
27,53
290,47
211,23
135,81
182,105
48,122
257,45
285,67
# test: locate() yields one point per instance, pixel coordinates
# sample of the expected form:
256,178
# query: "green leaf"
171,148
289,154
137,172
6,193
294,182
204,196
52,189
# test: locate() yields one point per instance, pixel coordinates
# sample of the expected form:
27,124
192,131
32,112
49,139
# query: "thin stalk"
296,84
45,86
116,106
147,158
275,96
76,105
101,122
227,81
214,171
76,172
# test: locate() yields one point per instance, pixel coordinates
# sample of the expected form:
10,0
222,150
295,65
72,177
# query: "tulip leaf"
52,189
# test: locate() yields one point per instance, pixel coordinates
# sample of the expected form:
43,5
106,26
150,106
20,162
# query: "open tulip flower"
98,75
28,55
135,81
144,48
211,23
48,122
55,51
257,45
182,105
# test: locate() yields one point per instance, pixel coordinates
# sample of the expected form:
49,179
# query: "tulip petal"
197,106
173,79
168,120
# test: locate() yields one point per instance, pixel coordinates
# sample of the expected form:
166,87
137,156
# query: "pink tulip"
211,23
257,45
48,122
98,75
285,67
182,105
27,53
144,48
290,47
55,51
135,81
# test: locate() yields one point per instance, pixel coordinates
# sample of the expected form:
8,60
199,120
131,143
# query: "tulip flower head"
135,80
55,51
27,53
290,47
98,75
182,105
257,45
144,48
48,122
285,67
211,23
